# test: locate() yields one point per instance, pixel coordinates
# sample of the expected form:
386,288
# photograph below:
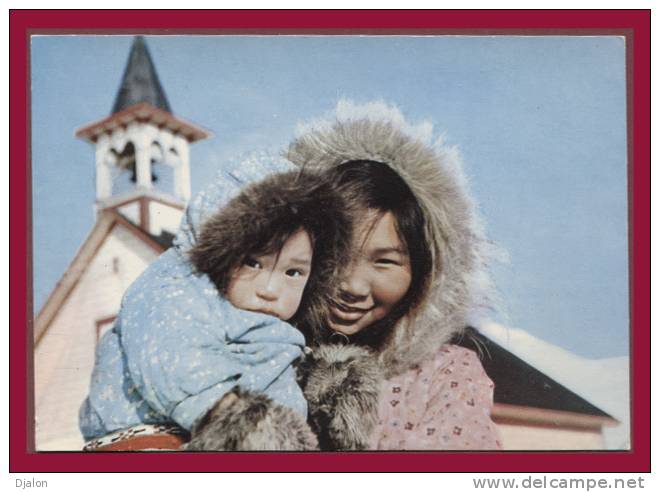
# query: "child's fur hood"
459,279
262,216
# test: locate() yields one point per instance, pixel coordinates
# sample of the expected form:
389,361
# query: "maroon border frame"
635,25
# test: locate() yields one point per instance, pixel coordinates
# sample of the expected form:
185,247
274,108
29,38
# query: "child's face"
273,283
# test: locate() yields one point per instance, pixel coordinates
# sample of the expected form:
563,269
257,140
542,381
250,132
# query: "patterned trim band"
146,437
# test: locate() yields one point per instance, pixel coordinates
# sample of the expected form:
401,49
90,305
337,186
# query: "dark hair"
375,185
259,221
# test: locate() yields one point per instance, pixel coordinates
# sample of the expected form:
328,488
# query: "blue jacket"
177,346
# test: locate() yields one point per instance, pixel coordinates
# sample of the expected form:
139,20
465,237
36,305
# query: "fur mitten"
246,421
341,384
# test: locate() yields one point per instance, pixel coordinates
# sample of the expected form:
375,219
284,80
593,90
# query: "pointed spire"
140,82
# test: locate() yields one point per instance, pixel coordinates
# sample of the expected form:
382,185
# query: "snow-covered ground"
602,382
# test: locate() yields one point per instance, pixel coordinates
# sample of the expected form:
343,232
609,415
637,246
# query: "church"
142,163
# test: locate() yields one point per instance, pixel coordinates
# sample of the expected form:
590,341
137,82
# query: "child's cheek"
292,300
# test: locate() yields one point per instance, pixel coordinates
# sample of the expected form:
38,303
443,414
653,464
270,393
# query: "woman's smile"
348,314
347,308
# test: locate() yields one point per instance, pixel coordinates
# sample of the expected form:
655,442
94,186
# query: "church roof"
519,384
142,112
140,81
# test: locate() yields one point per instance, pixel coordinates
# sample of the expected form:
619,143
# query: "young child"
202,339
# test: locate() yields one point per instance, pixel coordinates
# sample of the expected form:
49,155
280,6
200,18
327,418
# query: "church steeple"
140,81
142,149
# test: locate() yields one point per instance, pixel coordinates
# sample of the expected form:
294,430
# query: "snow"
604,383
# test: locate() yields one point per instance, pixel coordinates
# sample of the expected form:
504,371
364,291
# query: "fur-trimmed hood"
226,185
459,279
263,215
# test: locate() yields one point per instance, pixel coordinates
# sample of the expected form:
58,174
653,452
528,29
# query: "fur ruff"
269,211
459,278
341,384
246,421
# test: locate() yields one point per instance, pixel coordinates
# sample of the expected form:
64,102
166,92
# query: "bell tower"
142,150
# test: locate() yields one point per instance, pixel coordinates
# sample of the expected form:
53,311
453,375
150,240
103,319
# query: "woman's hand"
246,421
341,384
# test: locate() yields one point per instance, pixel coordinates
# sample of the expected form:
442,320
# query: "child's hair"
263,216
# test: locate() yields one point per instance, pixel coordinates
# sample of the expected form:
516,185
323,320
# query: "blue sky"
539,121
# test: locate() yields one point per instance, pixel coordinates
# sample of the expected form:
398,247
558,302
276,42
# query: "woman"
417,271
381,374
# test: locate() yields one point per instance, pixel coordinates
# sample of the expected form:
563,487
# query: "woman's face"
377,278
